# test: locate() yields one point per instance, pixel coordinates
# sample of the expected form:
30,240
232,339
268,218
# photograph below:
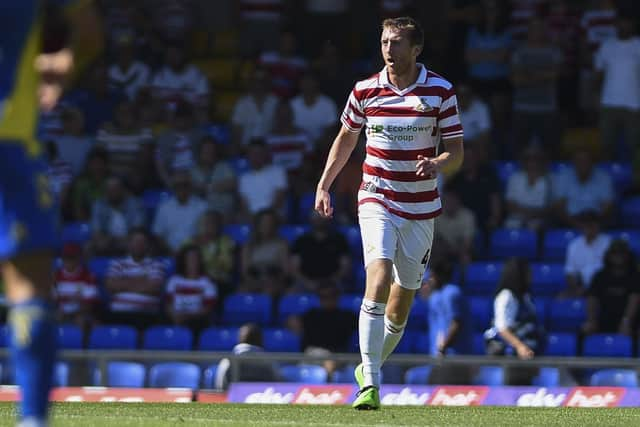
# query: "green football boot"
367,399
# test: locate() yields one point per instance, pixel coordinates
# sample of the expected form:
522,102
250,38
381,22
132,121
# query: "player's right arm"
340,152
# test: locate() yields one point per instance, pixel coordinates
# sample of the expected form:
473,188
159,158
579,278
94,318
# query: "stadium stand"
175,374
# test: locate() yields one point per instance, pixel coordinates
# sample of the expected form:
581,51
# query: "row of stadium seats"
190,375
175,338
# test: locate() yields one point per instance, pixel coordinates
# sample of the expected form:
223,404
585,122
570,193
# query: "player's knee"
379,273
396,319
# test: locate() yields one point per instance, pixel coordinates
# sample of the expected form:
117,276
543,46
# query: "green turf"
160,415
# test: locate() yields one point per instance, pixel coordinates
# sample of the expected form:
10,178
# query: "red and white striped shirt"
73,289
191,295
132,301
400,125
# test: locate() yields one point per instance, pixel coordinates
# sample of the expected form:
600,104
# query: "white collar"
384,79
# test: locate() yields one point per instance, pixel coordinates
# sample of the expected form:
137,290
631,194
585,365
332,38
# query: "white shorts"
405,242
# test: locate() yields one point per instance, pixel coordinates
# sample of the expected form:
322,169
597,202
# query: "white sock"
371,330
392,335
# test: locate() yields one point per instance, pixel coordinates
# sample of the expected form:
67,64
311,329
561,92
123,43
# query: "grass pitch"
199,414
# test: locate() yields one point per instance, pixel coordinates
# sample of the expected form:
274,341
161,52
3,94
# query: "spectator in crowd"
177,147
334,79
127,75
487,53
191,294
534,74
285,65
73,144
178,81
253,113
177,218
479,189
581,188
319,17
455,229
265,257
288,144
218,250
618,61
325,329
320,255
515,322
585,253
135,284
123,139
260,22
529,193
173,19
89,186
313,112
112,217
75,289
145,174
614,295
213,178
449,322
263,186
58,174
249,341
475,117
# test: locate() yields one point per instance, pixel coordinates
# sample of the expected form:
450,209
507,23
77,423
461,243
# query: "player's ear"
417,50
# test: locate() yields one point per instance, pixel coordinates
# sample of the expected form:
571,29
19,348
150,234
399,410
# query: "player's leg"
395,318
27,232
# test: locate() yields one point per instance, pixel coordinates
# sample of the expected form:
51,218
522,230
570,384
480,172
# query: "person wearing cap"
75,289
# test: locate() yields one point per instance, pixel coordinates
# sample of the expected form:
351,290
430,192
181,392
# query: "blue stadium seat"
352,234
242,308
418,375
344,375
405,345
122,374
175,374
567,315
547,279
489,375
555,242
167,338
69,337
560,167
99,266
306,205
621,174
113,337
76,232
282,340
153,198
291,232
547,377
504,170
221,132
482,277
632,237
614,378
238,232
481,309
169,264
630,212
209,376
419,315
607,345
542,308
296,304
218,339
420,344
61,374
477,345
310,374
350,302
506,243
561,344
239,164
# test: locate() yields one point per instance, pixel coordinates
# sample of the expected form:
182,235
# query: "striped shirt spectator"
75,288
285,66
178,81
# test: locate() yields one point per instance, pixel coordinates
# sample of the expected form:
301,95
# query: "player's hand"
323,203
427,167
524,352
53,68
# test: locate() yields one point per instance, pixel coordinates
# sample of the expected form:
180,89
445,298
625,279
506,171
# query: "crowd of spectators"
159,151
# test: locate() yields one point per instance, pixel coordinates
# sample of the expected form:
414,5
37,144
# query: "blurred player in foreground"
29,80
407,110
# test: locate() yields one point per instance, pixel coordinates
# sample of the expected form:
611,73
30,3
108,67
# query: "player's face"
397,52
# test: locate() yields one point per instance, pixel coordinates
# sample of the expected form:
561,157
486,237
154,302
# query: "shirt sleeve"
570,265
505,309
353,117
448,117
600,58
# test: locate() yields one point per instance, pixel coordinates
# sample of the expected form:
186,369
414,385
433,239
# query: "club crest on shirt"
423,106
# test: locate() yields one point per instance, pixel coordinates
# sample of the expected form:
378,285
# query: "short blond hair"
408,24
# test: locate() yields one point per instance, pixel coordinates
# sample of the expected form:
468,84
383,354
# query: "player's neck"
406,79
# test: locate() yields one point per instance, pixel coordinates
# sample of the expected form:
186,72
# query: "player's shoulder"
435,79
371,82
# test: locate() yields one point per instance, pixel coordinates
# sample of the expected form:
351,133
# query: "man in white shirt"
475,118
176,220
264,185
585,254
618,61
313,112
127,74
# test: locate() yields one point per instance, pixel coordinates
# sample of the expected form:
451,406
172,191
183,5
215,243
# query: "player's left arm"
447,162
